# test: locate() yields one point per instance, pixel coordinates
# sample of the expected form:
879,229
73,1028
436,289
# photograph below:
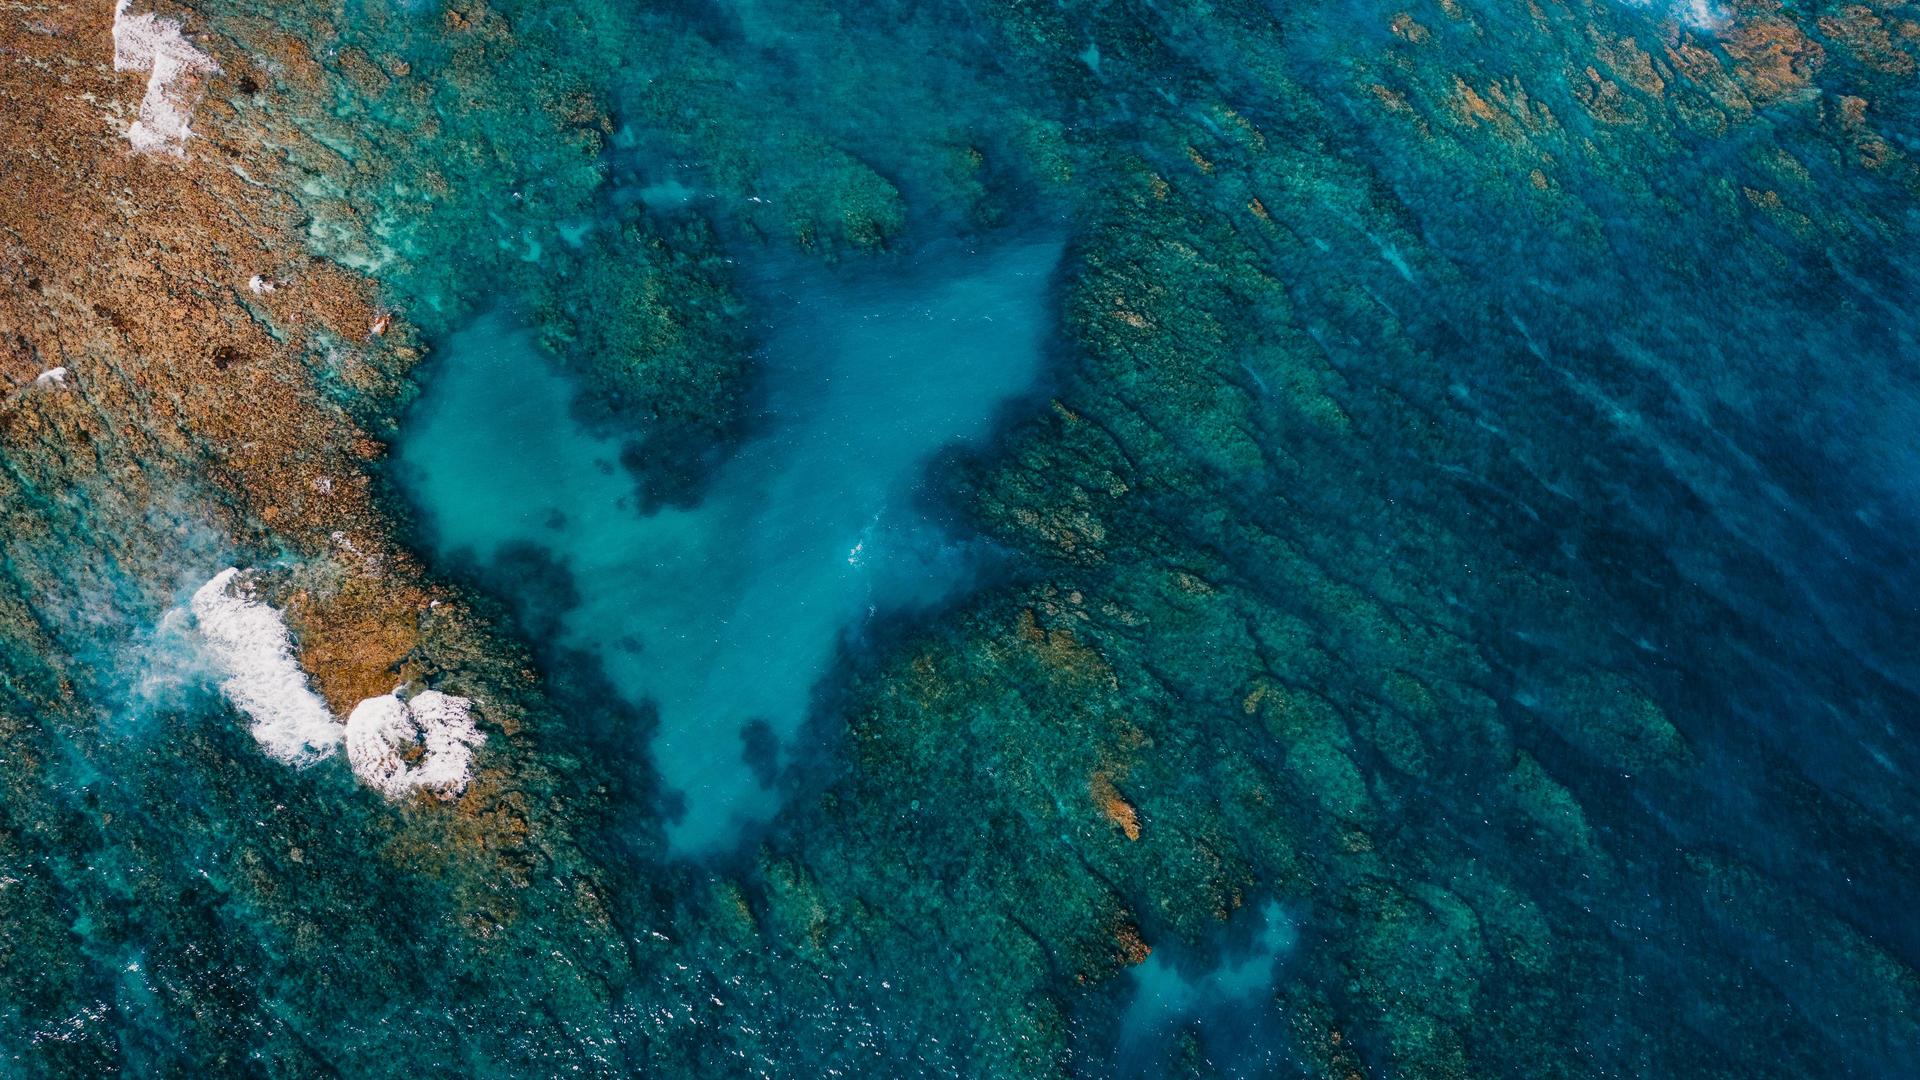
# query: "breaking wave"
249,644
383,730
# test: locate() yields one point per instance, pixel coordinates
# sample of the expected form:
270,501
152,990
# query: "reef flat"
962,538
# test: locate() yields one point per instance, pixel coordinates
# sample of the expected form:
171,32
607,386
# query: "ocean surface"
723,617
1026,539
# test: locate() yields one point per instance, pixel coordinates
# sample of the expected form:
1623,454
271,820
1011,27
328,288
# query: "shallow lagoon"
724,616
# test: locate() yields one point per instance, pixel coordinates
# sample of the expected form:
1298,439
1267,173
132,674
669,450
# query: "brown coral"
1773,58
1113,805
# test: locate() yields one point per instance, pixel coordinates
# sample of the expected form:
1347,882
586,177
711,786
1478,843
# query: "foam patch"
248,641
178,78
434,729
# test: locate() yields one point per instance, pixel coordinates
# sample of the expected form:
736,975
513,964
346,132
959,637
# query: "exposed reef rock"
1461,518
165,418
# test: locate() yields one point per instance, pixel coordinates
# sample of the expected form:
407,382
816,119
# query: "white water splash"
1699,14
1703,14
178,78
51,379
249,643
440,725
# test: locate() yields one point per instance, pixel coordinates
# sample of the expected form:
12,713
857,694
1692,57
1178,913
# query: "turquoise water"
1005,539
1221,998
724,616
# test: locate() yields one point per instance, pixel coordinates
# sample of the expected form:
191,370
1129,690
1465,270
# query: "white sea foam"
1700,14
249,643
178,78
440,725
52,378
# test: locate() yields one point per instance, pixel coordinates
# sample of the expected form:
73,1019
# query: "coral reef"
1461,514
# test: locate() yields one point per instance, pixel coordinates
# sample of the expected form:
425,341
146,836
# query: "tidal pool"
725,616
